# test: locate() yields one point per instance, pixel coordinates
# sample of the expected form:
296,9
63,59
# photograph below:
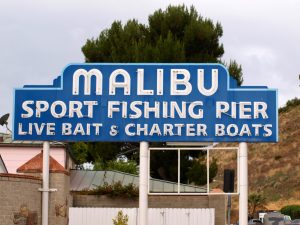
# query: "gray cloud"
39,38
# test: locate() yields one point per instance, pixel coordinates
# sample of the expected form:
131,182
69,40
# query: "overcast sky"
39,38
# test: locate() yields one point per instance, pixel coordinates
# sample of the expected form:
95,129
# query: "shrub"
127,167
292,210
114,190
277,157
121,219
290,104
198,172
256,201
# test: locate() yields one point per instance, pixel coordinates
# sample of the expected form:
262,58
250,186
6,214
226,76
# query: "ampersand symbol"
113,130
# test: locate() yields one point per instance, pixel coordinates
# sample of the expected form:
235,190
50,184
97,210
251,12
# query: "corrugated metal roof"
7,140
88,180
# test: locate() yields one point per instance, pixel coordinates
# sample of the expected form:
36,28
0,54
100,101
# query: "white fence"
156,216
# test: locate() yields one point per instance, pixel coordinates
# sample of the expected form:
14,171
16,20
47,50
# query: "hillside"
274,168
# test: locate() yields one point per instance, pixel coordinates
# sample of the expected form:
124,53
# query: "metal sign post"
45,189
45,196
228,209
243,174
143,185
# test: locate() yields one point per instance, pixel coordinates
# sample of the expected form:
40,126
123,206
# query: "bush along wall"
113,190
292,210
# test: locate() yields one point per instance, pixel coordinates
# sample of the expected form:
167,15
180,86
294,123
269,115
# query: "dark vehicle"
254,222
296,222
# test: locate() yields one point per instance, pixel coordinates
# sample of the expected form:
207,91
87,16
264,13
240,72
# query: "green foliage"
163,165
177,34
121,219
114,190
126,167
292,210
198,172
213,169
199,37
289,105
99,165
235,70
193,170
129,166
256,201
80,151
100,152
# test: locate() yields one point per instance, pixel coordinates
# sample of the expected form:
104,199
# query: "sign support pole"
143,183
228,209
45,196
243,175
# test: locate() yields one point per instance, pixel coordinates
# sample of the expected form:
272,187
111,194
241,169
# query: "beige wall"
17,191
219,203
216,202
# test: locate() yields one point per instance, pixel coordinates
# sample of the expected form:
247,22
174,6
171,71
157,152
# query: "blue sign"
145,102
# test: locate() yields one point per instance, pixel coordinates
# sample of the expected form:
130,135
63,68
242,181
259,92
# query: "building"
3,168
16,153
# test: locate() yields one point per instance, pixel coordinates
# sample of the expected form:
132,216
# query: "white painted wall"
156,216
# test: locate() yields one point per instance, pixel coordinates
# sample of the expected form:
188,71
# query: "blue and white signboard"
145,102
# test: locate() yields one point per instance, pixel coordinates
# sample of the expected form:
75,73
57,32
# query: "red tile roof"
35,165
